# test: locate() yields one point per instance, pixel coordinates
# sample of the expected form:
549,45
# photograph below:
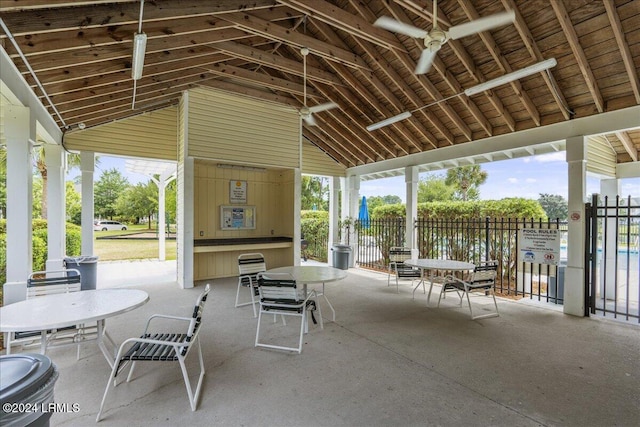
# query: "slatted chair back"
397,256
196,320
484,274
42,283
249,265
279,290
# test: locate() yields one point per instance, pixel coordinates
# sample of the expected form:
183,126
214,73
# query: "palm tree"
466,180
73,160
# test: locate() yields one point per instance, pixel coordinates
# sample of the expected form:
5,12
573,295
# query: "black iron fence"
472,240
612,254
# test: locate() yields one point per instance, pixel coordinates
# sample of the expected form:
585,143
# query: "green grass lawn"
123,249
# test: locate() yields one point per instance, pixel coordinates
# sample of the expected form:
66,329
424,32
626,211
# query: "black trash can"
87,265
341,255
26,390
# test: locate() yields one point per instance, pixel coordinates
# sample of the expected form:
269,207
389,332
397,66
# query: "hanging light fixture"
139,47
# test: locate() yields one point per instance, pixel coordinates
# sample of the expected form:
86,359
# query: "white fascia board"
552,137
628,170
15,88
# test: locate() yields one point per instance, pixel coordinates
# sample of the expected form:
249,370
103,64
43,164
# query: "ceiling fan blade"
399,27
323,107
482,24
425,61
310,120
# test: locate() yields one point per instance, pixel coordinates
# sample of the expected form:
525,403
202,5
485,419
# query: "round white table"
70,309
437,265
311,274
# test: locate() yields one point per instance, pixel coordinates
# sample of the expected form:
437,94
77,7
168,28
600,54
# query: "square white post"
19,131
56,206
334,205
87,167
411,180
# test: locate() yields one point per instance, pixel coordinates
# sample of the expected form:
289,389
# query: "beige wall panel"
601,158
317,162
236,129
225,264
152,136
271,192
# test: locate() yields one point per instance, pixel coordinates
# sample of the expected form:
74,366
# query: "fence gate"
612,257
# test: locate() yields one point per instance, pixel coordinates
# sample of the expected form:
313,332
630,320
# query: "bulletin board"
237,217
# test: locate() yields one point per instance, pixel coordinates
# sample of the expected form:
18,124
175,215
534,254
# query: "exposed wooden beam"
499,57
86,15
343,20
534,51
273,31
570,33
628,145
623,46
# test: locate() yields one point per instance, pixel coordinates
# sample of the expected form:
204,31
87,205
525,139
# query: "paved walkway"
115,274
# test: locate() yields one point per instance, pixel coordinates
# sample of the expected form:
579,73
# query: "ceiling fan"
434,39
306,113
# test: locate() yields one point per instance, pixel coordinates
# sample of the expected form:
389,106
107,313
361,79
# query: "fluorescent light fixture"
389,121
139,47
508,78
241,167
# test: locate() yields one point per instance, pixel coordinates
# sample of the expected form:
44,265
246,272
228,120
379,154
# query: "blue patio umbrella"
363,215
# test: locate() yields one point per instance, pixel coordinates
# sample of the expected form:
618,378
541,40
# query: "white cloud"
559,156
531,180
512,180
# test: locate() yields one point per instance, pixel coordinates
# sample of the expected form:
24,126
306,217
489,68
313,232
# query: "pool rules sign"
540,246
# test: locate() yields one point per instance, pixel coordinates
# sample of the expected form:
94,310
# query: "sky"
524,177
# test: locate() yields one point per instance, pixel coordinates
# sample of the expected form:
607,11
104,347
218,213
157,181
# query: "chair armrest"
164,316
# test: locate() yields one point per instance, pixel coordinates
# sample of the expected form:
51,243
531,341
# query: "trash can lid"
82,259
22,374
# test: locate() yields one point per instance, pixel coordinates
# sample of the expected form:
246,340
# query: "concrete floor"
388,360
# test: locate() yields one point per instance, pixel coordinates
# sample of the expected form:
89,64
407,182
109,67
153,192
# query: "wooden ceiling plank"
321,138
97,121
499,57
468,63
628,145
153,72
534,51
92,15
623,46
424,81
345,21
277,62
273,31
319,141
253,77
572,37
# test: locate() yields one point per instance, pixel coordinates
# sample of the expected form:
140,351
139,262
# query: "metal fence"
472,240
612,254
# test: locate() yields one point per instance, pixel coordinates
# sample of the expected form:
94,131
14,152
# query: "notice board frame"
237,217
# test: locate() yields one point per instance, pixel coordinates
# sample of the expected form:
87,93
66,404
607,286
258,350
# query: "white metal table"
312,274
70,309
435,265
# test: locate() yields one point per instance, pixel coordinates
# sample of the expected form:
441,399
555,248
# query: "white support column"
411,178
87,166
19,130
185,223
574,294
56,206
164,179
334,204
297,206
354,200
609,188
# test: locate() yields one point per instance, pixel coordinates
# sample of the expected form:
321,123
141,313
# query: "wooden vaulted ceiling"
81,54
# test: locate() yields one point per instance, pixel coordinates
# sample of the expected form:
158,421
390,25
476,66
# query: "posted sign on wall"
539,246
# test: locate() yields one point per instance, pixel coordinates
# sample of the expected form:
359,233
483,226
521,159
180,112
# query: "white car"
108,226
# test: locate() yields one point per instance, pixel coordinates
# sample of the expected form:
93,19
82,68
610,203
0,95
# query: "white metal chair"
41,283
279,294
249,265
483,279
397,256
164,347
